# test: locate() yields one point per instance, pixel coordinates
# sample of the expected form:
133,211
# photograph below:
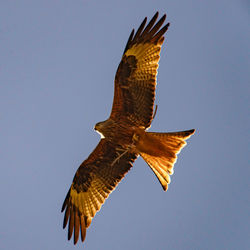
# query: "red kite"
124,135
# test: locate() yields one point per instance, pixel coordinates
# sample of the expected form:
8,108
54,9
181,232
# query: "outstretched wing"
135,79
94,180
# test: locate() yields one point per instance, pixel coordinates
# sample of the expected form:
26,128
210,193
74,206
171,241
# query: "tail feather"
162,154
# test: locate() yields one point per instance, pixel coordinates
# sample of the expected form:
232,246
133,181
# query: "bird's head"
97,126
99,129
105,128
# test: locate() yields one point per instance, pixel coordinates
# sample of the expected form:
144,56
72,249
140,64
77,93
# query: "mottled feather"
94,180
135,79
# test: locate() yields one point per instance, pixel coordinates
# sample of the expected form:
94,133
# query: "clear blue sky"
57,65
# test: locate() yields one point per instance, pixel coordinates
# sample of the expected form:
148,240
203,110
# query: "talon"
119,155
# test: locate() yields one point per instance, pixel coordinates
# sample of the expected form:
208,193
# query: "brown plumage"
124,132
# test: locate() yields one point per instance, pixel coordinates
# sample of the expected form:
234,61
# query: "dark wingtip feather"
192,131
189,132
129,40
150,24
155,15
156,27
63,206
66,217
83,228
140,29
76,226
65,201
71,224
160,33
147,34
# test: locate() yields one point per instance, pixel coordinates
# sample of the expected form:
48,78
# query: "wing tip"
165,187
65,201
76,224
191,131
150,32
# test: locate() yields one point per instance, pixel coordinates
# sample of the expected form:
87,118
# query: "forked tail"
160,151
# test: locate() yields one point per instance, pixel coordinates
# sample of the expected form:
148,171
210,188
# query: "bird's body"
124,134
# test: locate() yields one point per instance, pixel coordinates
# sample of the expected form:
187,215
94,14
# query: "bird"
124,134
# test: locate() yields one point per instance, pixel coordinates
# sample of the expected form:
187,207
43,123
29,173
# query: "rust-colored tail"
160,151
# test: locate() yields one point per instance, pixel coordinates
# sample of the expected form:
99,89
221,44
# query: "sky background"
57,65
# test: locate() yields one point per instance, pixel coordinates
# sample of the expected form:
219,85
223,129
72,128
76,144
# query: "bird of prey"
123,134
